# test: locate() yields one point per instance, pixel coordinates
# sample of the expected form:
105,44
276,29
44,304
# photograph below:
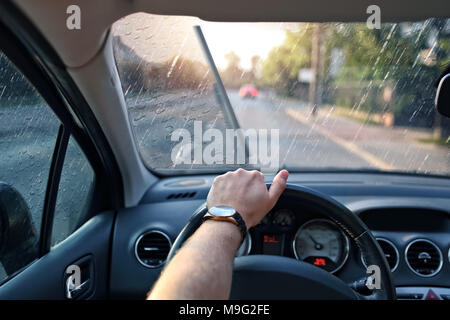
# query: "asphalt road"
328,141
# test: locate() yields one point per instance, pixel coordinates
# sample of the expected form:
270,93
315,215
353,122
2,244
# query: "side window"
74,193
28,133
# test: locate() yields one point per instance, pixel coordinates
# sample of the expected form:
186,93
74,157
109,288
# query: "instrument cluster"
318,241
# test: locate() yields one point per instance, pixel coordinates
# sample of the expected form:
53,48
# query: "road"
328,141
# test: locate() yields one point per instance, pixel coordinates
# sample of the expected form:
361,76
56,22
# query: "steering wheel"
277,277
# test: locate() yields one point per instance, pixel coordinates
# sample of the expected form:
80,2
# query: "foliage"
281,67
406,58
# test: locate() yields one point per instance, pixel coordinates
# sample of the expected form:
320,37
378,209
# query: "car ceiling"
77,47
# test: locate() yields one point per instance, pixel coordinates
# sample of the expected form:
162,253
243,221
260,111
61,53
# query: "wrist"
224,232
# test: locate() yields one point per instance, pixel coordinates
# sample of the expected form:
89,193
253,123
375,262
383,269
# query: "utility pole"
437,128
315,87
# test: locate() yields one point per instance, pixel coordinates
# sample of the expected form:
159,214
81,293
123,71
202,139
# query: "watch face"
222,211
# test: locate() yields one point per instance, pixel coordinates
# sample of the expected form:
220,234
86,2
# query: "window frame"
28,50
59,167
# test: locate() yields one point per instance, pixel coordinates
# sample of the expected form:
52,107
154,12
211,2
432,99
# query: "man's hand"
246,192
202,268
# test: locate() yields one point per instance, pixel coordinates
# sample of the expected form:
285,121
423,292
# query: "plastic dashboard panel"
129,278
168,205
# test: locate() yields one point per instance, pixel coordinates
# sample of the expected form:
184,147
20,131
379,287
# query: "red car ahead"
248,91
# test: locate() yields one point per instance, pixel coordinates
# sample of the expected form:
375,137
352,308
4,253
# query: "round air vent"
390,252
152,248
423,257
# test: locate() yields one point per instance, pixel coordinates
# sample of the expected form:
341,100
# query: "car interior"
100,205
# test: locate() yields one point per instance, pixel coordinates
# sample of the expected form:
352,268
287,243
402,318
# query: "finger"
278,185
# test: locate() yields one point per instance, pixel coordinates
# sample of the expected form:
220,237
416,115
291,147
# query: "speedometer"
321,243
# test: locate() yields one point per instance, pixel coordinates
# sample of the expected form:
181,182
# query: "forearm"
202,269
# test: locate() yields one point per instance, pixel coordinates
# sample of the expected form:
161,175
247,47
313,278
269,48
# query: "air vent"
181,195
390,252
423,257
152,248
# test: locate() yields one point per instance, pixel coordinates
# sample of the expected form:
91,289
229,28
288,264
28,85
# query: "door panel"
46,277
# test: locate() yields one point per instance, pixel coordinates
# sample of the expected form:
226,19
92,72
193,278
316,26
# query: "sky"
245,39
158,38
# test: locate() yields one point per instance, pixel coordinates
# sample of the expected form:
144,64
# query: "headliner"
76,48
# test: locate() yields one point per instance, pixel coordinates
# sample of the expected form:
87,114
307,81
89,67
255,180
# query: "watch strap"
241,224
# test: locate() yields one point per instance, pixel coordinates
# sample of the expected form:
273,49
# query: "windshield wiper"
219,88
220,92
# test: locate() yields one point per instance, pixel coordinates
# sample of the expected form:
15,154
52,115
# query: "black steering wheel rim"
351,225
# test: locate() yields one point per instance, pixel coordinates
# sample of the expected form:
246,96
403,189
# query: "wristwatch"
228,214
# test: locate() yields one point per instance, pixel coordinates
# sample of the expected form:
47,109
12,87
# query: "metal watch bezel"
222,211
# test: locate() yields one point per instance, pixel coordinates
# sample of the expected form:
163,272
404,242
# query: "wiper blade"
220,92
219,88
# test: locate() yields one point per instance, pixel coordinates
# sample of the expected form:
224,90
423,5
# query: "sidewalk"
349,129
387,148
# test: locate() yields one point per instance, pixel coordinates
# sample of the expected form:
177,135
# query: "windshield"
303,96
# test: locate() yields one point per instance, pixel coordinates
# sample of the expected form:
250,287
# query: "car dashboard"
408,215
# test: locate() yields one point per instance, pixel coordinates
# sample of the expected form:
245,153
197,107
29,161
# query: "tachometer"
322,243
283,218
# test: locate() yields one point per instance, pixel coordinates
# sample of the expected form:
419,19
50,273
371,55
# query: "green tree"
406,58
280,68
397,55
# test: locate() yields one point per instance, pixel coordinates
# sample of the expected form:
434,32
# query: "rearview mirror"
443,96
19,241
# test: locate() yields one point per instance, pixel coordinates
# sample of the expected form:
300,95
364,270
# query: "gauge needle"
317,245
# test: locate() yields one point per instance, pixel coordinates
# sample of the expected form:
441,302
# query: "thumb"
278,185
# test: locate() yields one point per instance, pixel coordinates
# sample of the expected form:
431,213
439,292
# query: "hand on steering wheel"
276,277
247,193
